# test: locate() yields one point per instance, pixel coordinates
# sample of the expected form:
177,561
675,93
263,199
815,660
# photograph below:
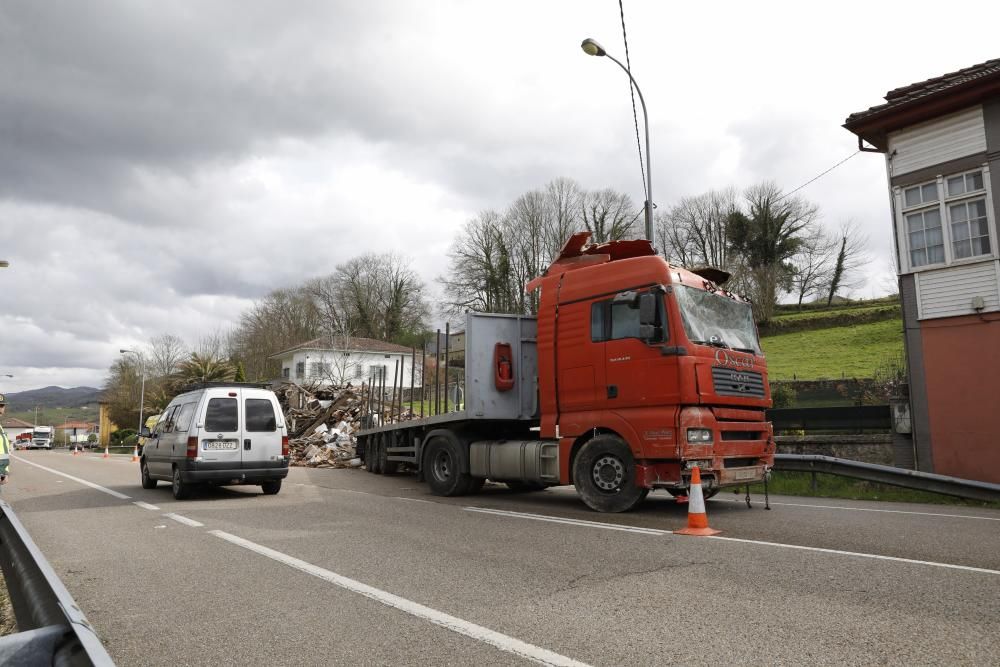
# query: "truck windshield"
717,320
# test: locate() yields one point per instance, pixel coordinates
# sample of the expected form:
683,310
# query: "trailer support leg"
767,499
748,497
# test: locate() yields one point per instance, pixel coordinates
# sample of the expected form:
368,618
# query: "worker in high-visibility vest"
4,443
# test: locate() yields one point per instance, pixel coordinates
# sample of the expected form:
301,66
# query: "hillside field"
834,352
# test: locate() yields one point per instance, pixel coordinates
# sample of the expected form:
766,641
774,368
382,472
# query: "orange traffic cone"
697,519
74,450
135,454
106,455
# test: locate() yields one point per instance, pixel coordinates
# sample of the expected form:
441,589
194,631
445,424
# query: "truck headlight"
699,435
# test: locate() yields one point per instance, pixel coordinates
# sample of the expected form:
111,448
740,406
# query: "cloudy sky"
163,164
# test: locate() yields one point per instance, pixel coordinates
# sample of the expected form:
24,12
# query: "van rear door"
262,429
220,433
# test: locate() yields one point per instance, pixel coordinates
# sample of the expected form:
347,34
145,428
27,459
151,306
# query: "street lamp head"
124,351
592,48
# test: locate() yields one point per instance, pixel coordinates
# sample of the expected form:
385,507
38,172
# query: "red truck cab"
659,357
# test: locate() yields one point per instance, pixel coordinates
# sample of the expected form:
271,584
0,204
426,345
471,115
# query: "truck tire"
604,475
386,466
442,468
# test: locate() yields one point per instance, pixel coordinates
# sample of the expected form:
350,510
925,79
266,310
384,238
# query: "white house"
349,359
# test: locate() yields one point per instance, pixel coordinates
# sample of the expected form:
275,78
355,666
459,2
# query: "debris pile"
321,424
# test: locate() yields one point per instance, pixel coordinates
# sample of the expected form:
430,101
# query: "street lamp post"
592,48
142,390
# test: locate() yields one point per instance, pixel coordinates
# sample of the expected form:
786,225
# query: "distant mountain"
52,397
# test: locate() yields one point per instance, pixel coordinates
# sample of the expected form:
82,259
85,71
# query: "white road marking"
571,522
477,632
652,531
75,479
870,509
145,506
413,500
897,559
183,519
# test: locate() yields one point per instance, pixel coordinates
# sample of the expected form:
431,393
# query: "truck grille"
732,382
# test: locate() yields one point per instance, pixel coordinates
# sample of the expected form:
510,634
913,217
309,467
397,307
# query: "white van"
218,433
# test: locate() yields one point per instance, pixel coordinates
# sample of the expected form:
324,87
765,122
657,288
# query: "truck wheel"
389,467
180,489
525,487
442,470
604,475
147,481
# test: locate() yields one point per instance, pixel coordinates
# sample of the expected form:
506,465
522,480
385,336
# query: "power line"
631,90
817,177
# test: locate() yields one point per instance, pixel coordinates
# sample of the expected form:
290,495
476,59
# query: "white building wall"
949,292
947,138
356,367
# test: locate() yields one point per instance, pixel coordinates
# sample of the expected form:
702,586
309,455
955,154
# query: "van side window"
222,415
260,415
183,419
166,422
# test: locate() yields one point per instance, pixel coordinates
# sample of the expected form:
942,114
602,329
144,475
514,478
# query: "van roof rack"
205,385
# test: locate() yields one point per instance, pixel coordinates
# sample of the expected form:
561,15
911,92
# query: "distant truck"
633,373
41,438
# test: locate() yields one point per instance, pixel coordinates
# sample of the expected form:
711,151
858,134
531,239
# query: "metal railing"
53,629
872,472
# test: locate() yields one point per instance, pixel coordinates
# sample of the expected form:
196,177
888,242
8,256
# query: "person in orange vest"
4,443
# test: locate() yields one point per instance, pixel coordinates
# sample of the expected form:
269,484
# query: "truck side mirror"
647,308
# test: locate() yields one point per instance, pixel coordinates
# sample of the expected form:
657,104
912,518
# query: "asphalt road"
343,567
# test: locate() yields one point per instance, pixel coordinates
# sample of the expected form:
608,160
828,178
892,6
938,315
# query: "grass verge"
835,486
8,625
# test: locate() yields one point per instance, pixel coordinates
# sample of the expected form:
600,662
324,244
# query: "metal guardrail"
872,472
53,629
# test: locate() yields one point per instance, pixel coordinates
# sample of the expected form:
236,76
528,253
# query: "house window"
358,370
319,369
943,229
926,238
286,372
300,369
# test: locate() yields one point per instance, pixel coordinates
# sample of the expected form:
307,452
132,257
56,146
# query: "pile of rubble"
321,424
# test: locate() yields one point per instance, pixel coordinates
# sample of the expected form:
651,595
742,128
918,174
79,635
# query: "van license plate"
219,444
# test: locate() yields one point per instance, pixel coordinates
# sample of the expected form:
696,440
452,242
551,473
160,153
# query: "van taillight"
284,445
192,448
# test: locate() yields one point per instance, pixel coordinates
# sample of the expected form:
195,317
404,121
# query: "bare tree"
166,352
695,231
478,276
609,215
380,297
851,255
563,198
813,264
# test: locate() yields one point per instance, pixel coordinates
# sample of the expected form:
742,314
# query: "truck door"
580,360
261,445
221,435
637,372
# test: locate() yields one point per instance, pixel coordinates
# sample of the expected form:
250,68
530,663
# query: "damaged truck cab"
653,356
632,373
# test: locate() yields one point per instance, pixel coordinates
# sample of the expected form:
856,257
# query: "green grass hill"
846,340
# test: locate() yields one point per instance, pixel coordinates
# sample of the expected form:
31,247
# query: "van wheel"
271,488
180,489
604,475
442,462
147,481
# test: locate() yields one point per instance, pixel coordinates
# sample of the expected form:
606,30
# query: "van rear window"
221,415
260,415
